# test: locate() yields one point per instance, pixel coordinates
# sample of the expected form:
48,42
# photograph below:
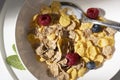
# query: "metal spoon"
108,23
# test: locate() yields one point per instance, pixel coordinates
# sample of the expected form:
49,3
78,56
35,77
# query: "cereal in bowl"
67,45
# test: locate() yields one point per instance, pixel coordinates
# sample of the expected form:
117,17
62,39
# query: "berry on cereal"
97,28
92,13
91,65
73,59
44,19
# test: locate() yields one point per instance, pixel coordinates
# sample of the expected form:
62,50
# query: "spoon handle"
109,23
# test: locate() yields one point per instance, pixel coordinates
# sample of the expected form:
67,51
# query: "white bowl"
39,70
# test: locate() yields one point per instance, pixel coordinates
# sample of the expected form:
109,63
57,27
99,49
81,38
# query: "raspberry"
44,19
93,13
73,59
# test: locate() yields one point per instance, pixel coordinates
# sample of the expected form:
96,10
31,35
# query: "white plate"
8,18
110,68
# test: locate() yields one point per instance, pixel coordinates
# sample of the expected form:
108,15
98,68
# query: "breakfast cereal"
67,45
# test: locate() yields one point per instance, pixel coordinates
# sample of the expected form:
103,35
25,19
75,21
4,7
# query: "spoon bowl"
80,15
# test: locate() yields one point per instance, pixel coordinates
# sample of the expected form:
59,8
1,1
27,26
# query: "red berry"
44,19
93,13
73,59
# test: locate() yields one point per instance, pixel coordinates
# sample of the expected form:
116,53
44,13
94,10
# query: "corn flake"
92,52
74,74
69,70
51,36
64,20
82,71
86,26
99,58
45,10
80,48
103,42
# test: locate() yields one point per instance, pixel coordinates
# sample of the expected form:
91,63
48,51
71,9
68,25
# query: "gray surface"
117,76
1,4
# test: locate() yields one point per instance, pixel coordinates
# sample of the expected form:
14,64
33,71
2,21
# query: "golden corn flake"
103,42
74,74
86,26
82,71
56,4
69,70
77,37
98,49
86,59
35,24
79,34
99,58
100,34
62,45
83,39
34,21
51,36
92,52
55,10
64,20
111,40
40,29
106,41
48,62
80,48
42,59
31,38
89,43
59,44
45,10
35,17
